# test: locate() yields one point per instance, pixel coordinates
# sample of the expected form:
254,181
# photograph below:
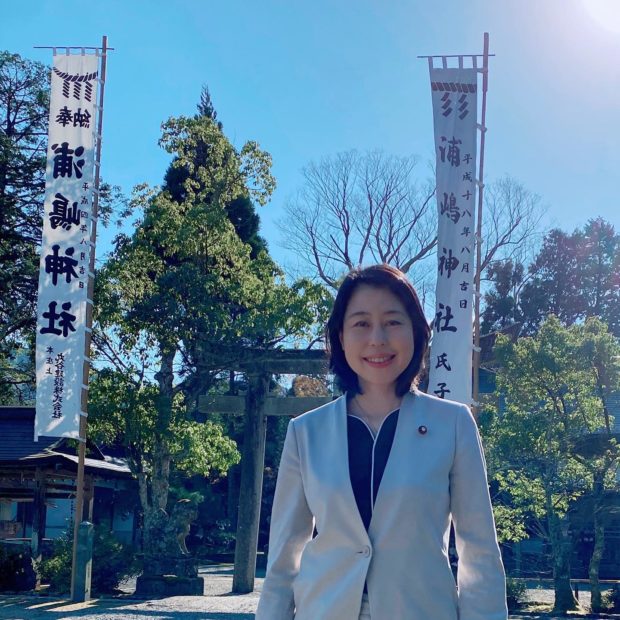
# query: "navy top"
367,459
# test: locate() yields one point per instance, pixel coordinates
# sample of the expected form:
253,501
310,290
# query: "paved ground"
217,604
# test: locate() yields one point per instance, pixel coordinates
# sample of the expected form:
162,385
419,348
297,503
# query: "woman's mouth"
379,361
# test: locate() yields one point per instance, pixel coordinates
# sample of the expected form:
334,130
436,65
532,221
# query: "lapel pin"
422,430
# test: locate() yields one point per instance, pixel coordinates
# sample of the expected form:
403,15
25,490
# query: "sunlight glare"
605,12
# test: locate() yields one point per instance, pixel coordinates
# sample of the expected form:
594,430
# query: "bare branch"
354,206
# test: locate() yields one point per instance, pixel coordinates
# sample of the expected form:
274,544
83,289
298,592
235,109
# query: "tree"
184,294
124,413
574,276
24,100
355,208
510,221
599,258
552,402
24,109
600,454
240,210
501,302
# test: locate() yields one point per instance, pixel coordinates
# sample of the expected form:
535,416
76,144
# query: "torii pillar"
256,406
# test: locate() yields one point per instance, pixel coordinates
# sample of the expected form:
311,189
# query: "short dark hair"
394,280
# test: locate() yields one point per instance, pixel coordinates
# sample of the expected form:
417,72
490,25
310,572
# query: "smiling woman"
605,12
378,475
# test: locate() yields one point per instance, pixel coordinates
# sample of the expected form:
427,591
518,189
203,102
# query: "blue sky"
310,79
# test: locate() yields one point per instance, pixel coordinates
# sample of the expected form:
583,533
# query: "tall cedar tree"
24,100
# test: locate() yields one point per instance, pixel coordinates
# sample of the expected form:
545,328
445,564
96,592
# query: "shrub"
112,563
220,537
611,599
16,569
515,592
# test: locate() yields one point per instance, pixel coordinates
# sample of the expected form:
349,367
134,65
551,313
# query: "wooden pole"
476,360
38,514
79,501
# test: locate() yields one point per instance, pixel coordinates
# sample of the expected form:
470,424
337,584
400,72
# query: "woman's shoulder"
319,415
441,406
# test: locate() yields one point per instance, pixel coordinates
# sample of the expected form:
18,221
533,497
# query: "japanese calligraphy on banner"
66,246
454,111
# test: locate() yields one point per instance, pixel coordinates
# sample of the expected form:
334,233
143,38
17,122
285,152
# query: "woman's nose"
377,335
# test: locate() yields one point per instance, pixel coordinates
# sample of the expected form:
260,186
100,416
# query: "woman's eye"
394,322
360,324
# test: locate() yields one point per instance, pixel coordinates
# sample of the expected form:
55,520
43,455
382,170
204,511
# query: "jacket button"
366,552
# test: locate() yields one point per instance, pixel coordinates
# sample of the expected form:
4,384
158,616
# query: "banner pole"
79,502
476,360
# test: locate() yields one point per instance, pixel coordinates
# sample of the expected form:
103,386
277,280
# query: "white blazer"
429,479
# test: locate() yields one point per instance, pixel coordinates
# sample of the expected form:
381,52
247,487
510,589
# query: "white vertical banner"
454,94
66,245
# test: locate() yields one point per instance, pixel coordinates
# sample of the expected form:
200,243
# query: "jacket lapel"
399,454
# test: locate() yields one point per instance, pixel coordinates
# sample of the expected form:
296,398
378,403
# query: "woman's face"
377,336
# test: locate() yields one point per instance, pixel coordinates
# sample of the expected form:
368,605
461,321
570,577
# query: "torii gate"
256,405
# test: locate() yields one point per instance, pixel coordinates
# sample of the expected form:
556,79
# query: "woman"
381,473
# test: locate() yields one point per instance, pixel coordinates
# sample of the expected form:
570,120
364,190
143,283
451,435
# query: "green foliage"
56,570
125,414
178,303
24,97
220,537
551,401
546,445
112,563
515,593
574,276
24,110
501,302
16,569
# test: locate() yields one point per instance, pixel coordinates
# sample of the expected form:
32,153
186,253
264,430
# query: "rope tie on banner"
81,439
479,184
88,330
476,403
91,274
476,349
460,62
84,387
481,128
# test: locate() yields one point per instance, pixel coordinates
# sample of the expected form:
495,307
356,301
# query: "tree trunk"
161,452
561,545
599,544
